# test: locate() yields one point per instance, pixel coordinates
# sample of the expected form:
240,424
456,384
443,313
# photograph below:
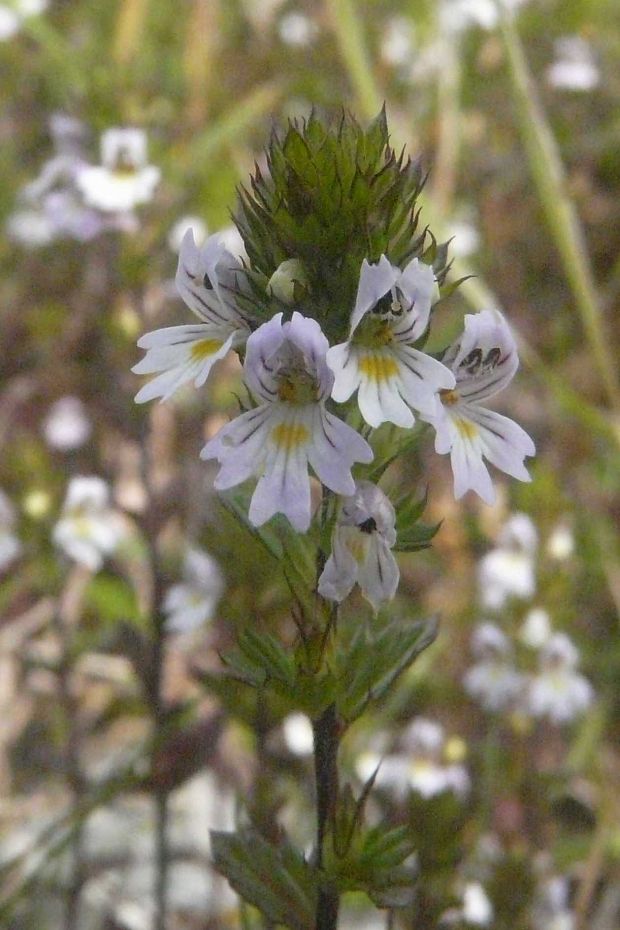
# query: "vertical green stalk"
449,115
548,173
348,32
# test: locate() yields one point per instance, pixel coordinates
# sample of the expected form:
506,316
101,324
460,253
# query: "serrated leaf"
373,663
276,880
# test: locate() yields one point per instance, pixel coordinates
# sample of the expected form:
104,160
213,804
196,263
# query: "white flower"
298,734
510,569
536,628
286,372
180,229
493,680
180,354
124,180
552,910
418,767
10,546
378,360
477,908
66,425
297,29
89,529
190,604
458,15
574,67
30,228
363,537
559,692
398,41
484,360
12,17
561,542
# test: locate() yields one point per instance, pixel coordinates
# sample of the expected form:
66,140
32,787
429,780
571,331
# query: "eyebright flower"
484,360
286,372
378,360
124,180
363,537
88,529
191,603
187,353
509,570
492,681
559,692
419,766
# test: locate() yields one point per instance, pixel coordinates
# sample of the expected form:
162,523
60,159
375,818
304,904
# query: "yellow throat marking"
466,428
204,348
289,436
378,367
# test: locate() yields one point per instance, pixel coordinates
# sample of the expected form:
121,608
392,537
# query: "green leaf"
368,668
276,880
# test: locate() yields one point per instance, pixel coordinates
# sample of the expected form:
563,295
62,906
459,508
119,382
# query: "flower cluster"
422,765
72,198
295,379
555,691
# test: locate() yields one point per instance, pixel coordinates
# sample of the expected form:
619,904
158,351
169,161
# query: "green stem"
548,173
349,36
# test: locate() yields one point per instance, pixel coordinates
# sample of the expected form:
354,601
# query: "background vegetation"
116,757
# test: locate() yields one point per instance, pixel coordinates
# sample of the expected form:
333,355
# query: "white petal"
306,334
375,281
261,348
417,283
340,572
504,442
285,485
342,359
469,471
239,447
378,397
335,447
379,575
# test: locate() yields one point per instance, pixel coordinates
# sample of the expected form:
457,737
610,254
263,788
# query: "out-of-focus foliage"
105,717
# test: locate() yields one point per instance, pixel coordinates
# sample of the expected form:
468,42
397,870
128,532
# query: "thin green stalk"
349,36
449,115
548,173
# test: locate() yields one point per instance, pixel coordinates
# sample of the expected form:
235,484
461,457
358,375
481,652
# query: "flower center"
204,348
449,398
289,436
377,366
374,332
467,429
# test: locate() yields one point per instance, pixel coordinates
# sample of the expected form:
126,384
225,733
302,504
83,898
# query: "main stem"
326,775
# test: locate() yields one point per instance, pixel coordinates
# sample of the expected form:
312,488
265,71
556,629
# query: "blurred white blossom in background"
89,529
192,602
67,425
574,67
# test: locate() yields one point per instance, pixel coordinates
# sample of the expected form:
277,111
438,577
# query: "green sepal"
259,660
379,861
372,661
411,536
275,879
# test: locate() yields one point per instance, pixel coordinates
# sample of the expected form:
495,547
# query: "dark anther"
472,362
492,358
383,305
207,282
368,526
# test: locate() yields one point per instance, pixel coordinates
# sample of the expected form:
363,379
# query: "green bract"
333,194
